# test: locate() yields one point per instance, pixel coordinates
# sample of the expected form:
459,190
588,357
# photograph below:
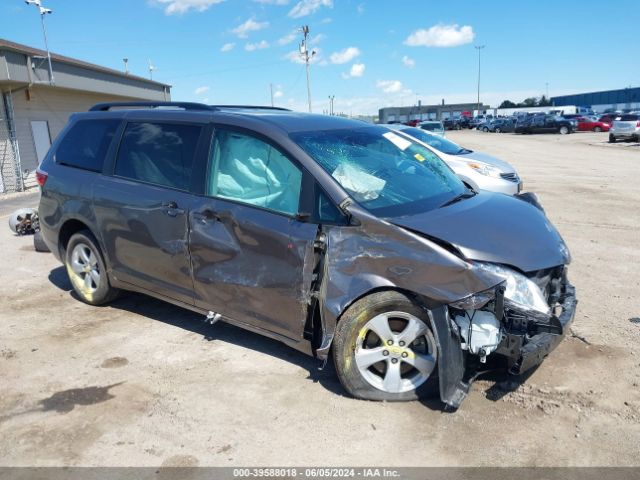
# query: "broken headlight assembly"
519,290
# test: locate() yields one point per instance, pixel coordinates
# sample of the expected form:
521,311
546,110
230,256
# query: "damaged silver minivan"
330,235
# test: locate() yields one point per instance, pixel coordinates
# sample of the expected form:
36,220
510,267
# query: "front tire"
597,129
87,269
612,138
564,130
384,349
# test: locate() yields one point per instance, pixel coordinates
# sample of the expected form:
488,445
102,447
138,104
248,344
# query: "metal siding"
81,78
53,105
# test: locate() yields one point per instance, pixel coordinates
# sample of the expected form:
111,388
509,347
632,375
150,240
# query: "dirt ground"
141,382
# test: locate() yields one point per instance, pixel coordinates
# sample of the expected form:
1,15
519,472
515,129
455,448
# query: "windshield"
432,126
384,172
439,143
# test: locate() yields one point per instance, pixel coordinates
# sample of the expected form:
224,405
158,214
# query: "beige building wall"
50,104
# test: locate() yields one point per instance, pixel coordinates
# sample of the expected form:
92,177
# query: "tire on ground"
105,292
346,335
38,243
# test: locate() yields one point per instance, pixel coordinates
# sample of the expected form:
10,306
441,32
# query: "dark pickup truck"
545,124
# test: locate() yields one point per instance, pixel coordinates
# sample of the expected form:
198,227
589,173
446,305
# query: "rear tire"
87,270
564,130
597,129
485,129
383,347
498,130
612,138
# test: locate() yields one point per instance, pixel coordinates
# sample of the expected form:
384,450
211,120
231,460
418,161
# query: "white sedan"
478,170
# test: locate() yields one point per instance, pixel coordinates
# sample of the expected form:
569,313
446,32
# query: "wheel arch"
451,364
72,226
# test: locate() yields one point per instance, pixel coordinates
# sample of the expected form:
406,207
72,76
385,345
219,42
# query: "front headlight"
518,289
485,169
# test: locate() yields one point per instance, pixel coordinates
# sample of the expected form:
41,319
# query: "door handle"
172,209
206,216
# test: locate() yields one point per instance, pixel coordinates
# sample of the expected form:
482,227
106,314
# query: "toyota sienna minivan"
331,235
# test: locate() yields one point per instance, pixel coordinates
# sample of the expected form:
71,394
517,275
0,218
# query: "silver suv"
627,127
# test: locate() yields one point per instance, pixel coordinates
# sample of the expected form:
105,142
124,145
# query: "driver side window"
246,169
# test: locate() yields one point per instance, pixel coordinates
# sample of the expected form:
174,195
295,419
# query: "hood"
493,227
483,157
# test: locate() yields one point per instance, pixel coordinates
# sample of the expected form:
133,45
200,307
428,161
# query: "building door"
41,138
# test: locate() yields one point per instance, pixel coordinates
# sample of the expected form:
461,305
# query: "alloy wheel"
85,268
395,352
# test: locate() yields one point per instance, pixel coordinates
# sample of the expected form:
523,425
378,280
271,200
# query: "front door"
143,209
252,258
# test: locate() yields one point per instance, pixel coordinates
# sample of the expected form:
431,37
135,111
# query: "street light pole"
44,11
331,98
479,48
304,53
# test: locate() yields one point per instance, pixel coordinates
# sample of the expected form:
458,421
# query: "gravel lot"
141,382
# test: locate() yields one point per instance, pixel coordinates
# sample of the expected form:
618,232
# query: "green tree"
507,104
544,102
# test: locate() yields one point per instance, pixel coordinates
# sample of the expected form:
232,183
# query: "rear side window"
158,153
86,143
629,118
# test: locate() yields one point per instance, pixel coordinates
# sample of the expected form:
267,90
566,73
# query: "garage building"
36,103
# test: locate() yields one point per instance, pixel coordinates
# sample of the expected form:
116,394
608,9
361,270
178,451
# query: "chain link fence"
10,174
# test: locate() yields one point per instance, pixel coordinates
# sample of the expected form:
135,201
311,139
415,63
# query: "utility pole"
547,87
126,66
271,88
44,11
304,53
331,98
151,69
479,48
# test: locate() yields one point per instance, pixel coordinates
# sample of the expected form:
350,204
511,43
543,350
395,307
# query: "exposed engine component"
24,221
480,332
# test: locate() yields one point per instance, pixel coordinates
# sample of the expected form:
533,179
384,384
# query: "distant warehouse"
36,103
622,99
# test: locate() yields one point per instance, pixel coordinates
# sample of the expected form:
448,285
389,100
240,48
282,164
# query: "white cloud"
317,39
278,94
250,25
201,90
389,86
307,7
441,36
324,21
227,47
272,2
182,6
360,8
408,62
261,45
357,70
288,38
345,55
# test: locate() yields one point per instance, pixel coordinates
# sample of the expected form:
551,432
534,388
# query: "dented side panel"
252,266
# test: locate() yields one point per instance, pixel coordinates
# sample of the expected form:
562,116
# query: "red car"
590,125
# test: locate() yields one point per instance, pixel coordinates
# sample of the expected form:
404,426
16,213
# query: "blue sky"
370,53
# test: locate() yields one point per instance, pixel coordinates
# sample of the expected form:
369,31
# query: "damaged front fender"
373,254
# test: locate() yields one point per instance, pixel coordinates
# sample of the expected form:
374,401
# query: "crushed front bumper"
530,337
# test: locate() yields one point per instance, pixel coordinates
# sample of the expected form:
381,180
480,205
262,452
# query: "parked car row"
332,236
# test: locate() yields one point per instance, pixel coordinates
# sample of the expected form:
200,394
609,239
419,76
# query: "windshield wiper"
468,194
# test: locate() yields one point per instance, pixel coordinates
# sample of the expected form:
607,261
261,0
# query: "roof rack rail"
104,107
250,107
